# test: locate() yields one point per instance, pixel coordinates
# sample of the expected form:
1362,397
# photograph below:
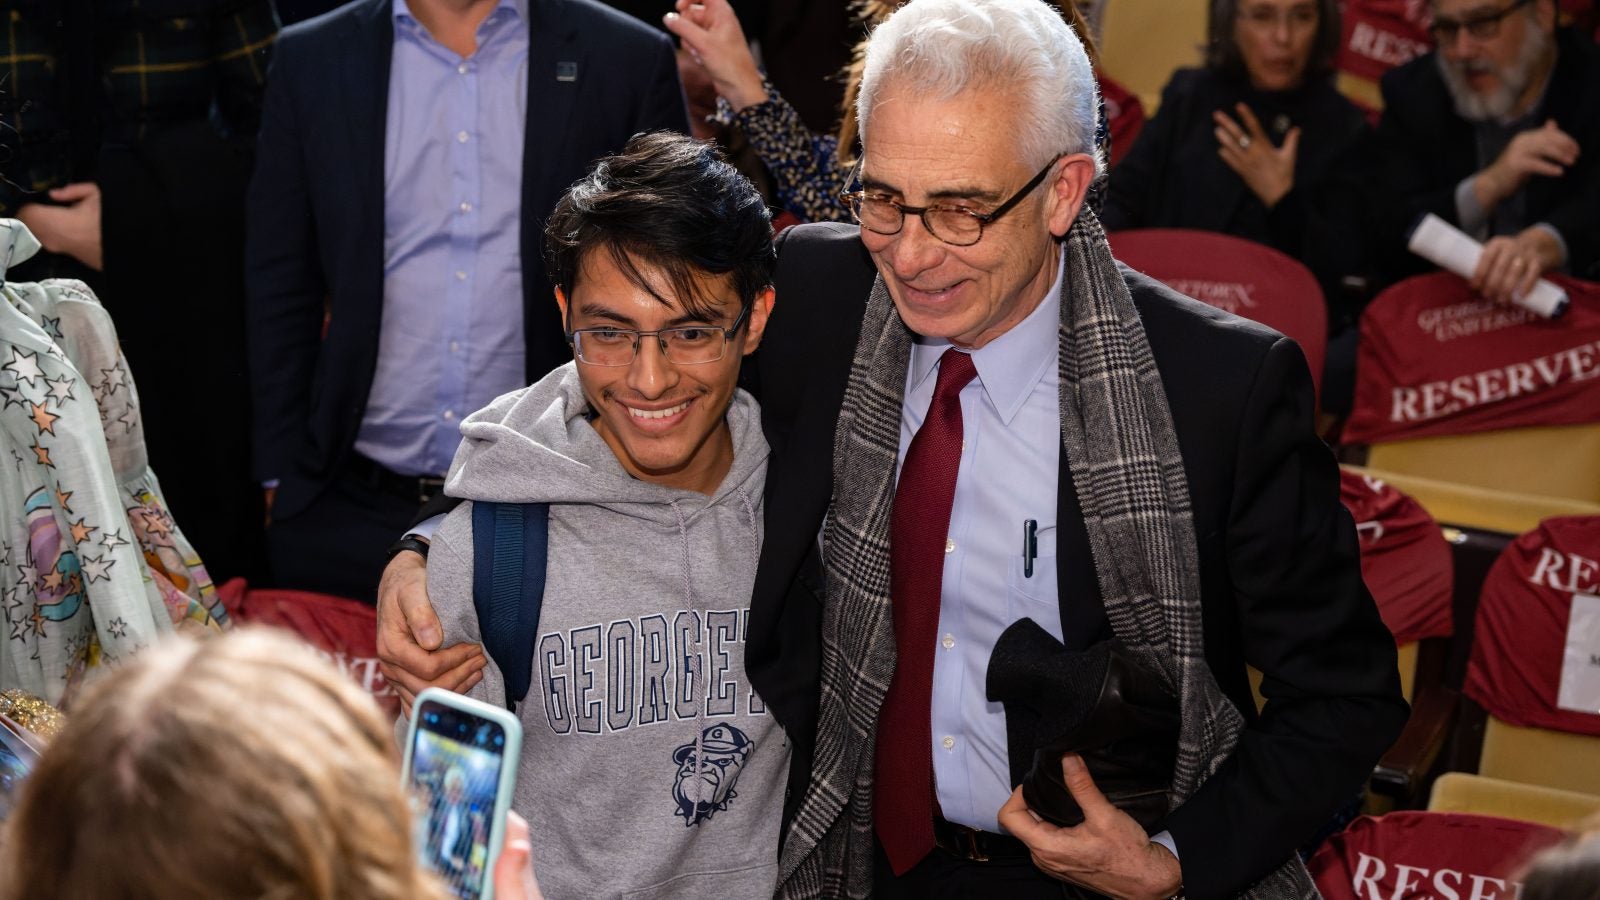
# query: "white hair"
942,48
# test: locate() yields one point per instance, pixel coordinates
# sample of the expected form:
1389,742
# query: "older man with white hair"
1498,132
1000,433
1025,430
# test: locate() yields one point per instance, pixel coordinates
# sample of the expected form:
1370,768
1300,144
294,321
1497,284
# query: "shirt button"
948,743
461,275
949,641
466,207
449,415
463,68
949,546
455,347
462,137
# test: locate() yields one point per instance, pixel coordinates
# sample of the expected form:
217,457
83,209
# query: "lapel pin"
566,71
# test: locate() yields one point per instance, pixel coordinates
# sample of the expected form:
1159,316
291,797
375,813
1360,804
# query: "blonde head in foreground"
243,766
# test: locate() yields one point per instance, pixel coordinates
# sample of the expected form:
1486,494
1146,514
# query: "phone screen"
455,772
16,761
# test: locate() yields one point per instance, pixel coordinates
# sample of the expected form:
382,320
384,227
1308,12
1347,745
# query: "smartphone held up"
461,768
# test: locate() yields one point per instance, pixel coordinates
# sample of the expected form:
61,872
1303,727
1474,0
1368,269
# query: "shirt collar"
519,8
1011,365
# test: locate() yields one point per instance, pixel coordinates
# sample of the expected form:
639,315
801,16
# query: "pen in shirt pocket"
1030,545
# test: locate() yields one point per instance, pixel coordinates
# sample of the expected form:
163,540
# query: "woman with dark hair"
1256,143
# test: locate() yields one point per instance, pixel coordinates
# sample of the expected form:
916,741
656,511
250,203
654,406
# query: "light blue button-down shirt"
451,338
1010,472
1010,466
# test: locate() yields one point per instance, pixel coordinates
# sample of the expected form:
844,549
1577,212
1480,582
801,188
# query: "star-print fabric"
95,568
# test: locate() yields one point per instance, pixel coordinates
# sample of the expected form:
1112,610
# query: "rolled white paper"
1451,249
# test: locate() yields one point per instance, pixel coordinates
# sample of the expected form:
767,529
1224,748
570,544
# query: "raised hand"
1546,151
1267,170
711,31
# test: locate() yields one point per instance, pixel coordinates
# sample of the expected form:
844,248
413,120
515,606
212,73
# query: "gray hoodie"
640,776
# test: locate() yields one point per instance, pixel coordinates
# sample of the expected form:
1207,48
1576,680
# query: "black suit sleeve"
665,108
1308,623
285,286
440,505
1577,214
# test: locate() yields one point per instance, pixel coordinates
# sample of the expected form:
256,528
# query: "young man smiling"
649,763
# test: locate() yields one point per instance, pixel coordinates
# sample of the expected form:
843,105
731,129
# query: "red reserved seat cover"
1417,855
345,631
1378,35
1519,644
1436,358
1242,277
1404,559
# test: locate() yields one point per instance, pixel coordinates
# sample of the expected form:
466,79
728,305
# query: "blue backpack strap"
510,552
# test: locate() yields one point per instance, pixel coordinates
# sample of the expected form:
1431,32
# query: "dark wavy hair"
1222,52
672,204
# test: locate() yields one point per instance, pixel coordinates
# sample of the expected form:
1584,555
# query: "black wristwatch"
409,542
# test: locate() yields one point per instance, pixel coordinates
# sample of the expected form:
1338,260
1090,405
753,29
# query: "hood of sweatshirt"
537,445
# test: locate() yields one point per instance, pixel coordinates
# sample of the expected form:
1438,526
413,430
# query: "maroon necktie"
918,531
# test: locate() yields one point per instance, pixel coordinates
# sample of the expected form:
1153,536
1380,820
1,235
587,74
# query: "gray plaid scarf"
1123,455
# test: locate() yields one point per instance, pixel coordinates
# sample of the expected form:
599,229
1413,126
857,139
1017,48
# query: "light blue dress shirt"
1010,472
451,338
1010,466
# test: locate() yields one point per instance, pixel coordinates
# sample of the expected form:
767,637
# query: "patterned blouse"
92,566
806,174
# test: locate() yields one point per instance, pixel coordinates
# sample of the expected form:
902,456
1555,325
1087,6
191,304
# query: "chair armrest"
1403,769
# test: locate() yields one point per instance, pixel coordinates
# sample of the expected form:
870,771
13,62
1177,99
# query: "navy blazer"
1280,579
314,251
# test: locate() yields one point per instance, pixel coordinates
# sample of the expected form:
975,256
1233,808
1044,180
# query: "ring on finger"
1244,142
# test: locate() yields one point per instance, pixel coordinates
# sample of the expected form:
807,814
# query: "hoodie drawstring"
750,516
692,663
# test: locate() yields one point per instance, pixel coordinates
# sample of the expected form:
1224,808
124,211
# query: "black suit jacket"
315,228
1281,586
1426,150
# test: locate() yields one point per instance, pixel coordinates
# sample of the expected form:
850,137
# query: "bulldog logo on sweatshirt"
707,774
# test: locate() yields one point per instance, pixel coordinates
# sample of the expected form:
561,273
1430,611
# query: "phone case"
510,758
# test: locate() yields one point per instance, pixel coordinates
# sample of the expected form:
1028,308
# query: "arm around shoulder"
450,593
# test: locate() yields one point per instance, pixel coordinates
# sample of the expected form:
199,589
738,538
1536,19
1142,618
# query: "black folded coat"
1109,703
